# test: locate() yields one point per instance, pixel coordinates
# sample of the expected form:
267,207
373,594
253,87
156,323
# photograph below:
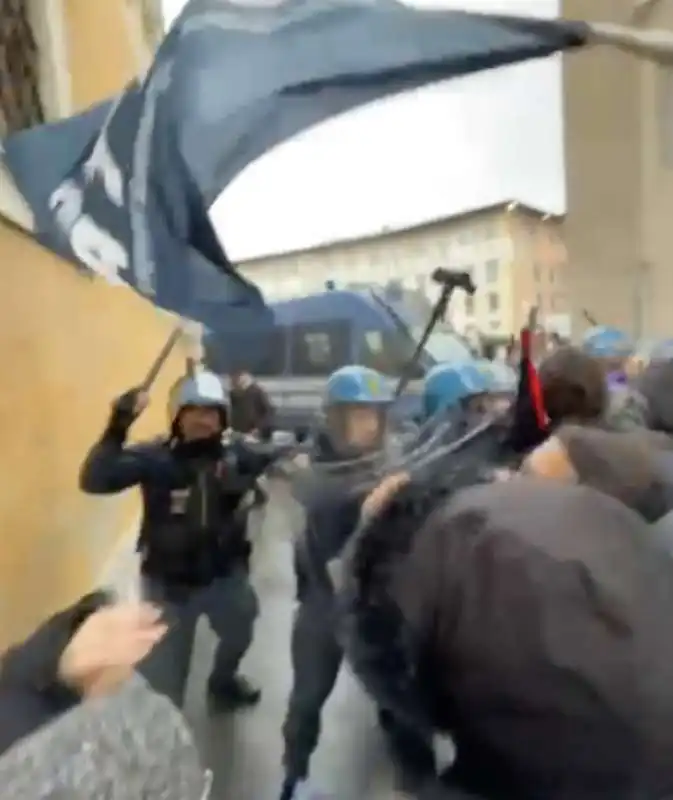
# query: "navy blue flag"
124,189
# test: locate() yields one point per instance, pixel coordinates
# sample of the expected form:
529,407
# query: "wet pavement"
244,749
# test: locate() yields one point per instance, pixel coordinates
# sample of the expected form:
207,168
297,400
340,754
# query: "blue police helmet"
203,389
603,341
447,385
357,384
501,377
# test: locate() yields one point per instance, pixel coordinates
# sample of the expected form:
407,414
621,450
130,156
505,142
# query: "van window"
274,362
385,351
319,349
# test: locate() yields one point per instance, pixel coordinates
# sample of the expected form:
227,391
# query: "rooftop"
507,206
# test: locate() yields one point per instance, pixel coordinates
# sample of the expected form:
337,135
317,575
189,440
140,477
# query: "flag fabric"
530,424
133,744
125,188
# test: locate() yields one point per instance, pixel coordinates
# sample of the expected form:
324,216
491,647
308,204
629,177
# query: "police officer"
457,393
193,545
356,405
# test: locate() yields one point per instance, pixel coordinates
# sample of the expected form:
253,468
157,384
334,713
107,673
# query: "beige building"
619,162
514,253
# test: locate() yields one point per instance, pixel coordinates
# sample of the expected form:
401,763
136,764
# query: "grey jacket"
129,746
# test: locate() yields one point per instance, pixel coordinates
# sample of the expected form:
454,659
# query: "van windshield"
443,345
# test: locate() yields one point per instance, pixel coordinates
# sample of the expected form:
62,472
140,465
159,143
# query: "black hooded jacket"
192,529
530,621
31,694
656,386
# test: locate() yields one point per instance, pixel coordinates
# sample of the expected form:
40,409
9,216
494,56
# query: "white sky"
430,152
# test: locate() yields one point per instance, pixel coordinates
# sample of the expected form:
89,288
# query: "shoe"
230,695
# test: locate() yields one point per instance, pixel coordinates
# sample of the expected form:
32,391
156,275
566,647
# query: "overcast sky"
427,153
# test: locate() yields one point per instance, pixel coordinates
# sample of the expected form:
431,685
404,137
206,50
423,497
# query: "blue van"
321,332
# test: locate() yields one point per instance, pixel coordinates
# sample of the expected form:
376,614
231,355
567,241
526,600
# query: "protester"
529,621
129,744
252,412
88,650
626,466
573,388
655,384
193,540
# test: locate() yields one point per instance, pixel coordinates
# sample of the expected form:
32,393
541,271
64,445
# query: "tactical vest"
191,532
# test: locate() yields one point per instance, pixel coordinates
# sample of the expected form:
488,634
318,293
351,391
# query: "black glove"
123,413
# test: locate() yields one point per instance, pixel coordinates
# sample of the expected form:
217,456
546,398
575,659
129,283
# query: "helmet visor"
356,428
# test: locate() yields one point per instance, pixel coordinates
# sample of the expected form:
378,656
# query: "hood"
625,465
545,609
384,650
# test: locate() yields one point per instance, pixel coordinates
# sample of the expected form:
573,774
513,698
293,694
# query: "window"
492,271
489,231
274,363
445,345
536,273
493,301
20,101
385,351
319,349
469,305
551,275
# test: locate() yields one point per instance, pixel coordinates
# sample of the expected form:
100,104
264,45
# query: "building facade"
619,166
71,342
514,253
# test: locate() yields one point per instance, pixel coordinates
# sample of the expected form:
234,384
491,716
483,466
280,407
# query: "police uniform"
193,540
316,652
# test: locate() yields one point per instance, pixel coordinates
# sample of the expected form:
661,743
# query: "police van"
319,333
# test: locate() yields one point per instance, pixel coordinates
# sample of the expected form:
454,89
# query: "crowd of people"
502,579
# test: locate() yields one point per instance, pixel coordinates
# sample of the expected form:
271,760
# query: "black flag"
125,189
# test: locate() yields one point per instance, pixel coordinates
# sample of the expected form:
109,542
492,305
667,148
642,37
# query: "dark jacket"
31,694
193,528
332,509
250,409
656,387
531,622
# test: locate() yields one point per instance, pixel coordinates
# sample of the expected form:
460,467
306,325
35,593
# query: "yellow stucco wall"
100,50
70,343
